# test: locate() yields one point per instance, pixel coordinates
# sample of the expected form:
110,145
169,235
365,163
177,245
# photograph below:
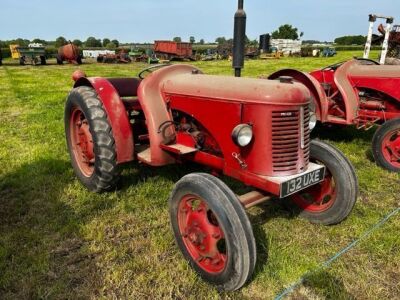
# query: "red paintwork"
173,48
391,148
116,114
69,52
340,101
82,142
201,234
319,198
216,104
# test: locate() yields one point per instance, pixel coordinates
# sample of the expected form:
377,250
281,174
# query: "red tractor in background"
253,130
358,92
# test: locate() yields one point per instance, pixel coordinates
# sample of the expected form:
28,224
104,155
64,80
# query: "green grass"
59,241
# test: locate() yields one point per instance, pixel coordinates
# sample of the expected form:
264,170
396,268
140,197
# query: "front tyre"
386,145
90,140
212,230
330,201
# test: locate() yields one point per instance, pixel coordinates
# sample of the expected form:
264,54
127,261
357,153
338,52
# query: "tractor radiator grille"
290,140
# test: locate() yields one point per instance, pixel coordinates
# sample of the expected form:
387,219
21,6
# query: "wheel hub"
202,234
82,142
391,148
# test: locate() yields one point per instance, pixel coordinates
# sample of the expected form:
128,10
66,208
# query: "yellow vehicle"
32,54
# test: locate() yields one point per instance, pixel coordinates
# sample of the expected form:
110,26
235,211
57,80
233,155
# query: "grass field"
58,241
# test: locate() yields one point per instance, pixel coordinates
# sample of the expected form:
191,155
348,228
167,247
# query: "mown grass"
59,241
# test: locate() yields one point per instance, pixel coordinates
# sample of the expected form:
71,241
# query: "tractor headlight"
313,120
242,135
313,115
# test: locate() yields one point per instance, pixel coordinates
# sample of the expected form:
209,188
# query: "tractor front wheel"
330,201
90,140
386,145
212,230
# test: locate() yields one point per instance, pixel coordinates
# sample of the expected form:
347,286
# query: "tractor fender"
116,114
157,113
317,92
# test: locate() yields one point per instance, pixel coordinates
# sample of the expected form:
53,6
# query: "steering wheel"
151,69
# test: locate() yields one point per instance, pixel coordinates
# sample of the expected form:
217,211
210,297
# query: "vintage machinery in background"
122,57
33,54
358,92
170,50
385,41
254,130
393,54
69,53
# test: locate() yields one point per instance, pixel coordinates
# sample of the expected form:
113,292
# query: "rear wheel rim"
318,198
202,236
82,142
391,148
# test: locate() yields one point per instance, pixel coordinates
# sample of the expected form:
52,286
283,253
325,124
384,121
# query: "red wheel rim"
319,197
391,148
203,237
82,142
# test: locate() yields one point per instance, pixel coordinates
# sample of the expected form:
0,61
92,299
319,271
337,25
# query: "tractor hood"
227,88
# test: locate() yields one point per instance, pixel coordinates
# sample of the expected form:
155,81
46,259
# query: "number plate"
302,181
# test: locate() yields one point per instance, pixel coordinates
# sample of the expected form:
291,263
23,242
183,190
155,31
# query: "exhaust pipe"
239,34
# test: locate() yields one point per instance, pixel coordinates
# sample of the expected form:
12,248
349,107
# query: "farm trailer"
33,54
254,130
170,50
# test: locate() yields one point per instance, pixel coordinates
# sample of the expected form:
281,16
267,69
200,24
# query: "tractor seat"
126,87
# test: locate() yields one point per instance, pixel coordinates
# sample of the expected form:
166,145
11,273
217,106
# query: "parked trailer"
33,54
254,130
69,53
173,50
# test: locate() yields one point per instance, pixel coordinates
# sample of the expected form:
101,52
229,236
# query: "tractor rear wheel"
90,140
386,145
212,230
330,201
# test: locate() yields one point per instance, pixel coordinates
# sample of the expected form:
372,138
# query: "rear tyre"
330,201
212,230
22,61
79,60
386,145
42,60
90,140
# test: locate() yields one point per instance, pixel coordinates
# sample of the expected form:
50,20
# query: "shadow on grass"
42,251
339,133
323,285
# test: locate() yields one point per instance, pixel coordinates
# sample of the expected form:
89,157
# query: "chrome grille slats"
286,133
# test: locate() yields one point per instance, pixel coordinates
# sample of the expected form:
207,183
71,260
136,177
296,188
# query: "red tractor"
253,130
358,92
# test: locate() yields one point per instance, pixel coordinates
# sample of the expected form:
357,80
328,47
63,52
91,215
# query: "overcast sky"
148,20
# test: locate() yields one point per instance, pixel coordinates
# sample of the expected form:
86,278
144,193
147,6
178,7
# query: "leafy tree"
351,40
60,41
220,40
192,40
202,42
106,41
177,39
77,43
286,31
115,42
111,46
92,42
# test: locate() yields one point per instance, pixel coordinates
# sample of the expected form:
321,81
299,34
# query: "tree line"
91,42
